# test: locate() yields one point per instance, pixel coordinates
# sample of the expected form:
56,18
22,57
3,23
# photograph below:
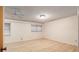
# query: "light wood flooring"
40,45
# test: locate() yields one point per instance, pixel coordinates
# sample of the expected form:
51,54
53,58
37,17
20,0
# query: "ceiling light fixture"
42,16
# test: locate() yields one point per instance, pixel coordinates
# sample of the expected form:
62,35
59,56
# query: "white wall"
21,31
62,30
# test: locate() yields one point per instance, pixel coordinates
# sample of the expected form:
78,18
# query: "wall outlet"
76,41
21,38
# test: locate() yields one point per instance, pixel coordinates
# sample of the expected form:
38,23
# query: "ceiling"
32,13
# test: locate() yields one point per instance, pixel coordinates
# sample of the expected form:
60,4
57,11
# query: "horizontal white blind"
36,28
6,28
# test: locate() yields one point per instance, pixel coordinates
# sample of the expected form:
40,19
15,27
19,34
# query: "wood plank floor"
40,45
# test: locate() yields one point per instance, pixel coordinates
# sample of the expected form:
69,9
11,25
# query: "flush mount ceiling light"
42,16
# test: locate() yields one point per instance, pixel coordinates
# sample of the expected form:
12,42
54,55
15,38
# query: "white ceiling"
32,13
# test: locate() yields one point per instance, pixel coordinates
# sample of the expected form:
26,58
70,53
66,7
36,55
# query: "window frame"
36,28
8,33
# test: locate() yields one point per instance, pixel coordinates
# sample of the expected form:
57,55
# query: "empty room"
40,29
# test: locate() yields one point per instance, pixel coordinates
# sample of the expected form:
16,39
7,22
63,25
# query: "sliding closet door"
1,27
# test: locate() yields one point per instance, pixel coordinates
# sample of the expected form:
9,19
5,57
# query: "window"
6,28
36,28
39,28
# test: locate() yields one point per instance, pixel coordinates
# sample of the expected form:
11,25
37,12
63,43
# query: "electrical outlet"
75,40
21,38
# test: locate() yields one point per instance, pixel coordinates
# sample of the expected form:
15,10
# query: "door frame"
1,28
